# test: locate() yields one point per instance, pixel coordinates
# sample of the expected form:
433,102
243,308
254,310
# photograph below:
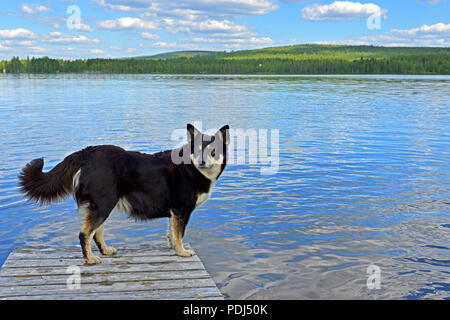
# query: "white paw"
93,260
109,251
185,253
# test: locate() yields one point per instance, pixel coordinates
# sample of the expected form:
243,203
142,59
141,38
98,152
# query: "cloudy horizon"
119,28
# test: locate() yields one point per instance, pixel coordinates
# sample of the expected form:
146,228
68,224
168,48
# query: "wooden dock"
142,272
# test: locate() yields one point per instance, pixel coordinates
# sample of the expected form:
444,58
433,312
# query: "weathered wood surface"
137,272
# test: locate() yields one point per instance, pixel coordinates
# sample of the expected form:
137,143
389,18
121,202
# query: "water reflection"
364,175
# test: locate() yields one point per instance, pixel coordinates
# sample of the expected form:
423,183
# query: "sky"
72,29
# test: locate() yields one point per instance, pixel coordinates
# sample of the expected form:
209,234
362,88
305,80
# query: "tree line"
420,63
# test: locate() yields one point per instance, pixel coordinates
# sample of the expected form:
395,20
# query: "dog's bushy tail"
45,187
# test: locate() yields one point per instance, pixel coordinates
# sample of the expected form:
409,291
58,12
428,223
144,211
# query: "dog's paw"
109,251
93,260
185,253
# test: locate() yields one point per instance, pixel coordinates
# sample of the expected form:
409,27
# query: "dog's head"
208,153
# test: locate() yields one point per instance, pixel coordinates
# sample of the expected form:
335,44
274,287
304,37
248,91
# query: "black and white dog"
145,186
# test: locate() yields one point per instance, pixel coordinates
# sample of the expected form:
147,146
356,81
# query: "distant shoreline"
330,75
290,60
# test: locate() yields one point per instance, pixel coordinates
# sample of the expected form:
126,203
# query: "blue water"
364,175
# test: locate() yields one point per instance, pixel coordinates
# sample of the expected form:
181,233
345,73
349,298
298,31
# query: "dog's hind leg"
178,227
100,242
86,234
170,235
94,219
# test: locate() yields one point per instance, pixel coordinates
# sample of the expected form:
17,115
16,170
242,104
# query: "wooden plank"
178,294
41,252
86,270
159,243
76,254
152,245
9,281
106,260
137,272
106,286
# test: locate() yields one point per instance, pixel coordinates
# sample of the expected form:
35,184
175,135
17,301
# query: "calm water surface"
364,175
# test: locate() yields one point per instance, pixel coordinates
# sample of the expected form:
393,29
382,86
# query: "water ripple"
364,175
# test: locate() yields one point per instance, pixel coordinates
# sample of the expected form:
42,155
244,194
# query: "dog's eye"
213,153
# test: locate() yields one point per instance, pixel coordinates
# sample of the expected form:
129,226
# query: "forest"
298,59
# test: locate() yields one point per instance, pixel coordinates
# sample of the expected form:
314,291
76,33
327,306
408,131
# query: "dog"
105,178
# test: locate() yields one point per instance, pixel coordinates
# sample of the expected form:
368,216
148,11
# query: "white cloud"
15,44
213,18
127,23
212,27
341,11
25,43
16,33
231,7
84,27
18,42
437,35
208,8
206,26
121,5
223,43
27,9
432,2
251,40
53,20
127,50
58,37
177,45
56,34
96,51
34,8
162,44
36,49
150,36
438,28
4,48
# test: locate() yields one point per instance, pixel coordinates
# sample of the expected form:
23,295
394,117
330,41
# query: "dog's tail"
45,187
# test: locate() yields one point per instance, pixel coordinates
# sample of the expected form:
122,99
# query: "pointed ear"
191,132
224,133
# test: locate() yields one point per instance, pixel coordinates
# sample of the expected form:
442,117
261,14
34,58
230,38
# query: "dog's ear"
224,134
191,132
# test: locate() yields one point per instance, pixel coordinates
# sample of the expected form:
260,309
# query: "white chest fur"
202,197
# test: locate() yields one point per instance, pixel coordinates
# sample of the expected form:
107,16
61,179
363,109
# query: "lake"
363,181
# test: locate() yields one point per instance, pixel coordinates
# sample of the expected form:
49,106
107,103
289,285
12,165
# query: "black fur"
151,183
50,186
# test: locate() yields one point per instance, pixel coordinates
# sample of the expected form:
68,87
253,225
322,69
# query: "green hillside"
312,51
307,52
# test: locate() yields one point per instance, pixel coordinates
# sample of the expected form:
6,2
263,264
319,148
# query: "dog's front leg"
178,226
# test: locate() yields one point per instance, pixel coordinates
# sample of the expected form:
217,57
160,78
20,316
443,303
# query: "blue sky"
119,28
